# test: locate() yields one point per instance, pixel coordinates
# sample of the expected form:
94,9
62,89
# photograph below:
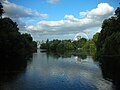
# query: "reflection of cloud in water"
80,60
69,69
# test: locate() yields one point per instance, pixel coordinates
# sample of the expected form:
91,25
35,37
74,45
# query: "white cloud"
53,1
99,29
71,25
102,11
71,18
90,20
16,11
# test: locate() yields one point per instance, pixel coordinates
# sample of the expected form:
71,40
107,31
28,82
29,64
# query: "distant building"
39,43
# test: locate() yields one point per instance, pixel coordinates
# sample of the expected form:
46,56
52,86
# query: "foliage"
108,48
1,10
57,45
112,45
110,28
64,45
53,45
12,43
68,45
117,12
80,43
95,38
90,47
15,48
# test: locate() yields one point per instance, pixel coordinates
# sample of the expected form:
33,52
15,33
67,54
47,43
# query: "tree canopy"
108,48
78,46
15,48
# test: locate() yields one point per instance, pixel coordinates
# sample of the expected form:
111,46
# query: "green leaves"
108,48
61,46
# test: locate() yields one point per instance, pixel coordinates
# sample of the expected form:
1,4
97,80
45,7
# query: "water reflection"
66,54
11,70
110,66
54,69
49,71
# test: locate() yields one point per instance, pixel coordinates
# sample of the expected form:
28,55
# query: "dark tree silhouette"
108,48
1,10
15,48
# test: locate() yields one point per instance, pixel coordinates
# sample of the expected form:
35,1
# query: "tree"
90,47
117,12
64,45
1,10
109,27
80,43
108,48
95,37
15,48
112,45
53,44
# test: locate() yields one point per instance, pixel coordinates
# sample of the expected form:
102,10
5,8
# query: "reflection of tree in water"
9,76
11,70
81,57
66,54
57,55
110,66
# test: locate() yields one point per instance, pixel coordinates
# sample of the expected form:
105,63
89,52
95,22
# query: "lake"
57,72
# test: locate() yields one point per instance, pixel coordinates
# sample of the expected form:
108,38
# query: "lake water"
52,72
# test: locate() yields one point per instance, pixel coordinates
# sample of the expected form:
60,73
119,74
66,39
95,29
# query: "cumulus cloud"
102,11
16,11
70,24
89,21
71,18
53,1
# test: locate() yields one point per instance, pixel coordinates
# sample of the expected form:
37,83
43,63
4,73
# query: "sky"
59,19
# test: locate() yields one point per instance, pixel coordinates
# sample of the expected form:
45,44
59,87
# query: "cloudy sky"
59,19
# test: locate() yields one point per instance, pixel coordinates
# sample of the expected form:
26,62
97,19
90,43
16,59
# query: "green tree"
112,45
109,27
64,45
90,47
53,44
108,48
95,37
80,43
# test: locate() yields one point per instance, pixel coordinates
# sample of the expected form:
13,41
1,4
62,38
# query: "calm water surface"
48,72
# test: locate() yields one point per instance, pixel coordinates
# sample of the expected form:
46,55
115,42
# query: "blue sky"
59,19
58,10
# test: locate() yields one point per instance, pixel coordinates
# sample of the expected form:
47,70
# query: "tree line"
69,45
15,48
